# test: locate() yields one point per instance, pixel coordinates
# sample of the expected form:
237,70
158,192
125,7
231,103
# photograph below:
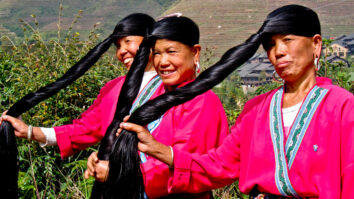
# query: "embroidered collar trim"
284,156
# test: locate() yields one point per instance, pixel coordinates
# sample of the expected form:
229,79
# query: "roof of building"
344,40
254,68
335,58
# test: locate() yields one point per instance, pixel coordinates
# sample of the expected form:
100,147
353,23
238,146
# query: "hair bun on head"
291,19
136,24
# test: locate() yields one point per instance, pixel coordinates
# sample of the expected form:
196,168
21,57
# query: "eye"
171,51
155,53
269,45
287,39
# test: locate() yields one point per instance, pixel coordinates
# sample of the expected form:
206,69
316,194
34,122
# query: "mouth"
167,72
128,60
282,64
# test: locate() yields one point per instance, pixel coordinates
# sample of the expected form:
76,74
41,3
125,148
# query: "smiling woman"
175,62
93,124
186,125
126,49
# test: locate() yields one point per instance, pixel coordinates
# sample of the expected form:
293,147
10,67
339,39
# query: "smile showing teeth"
166,72
127,60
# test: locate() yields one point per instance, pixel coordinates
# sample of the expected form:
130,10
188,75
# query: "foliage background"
35,62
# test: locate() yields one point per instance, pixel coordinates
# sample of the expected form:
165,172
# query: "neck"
295,92
303,84
173,87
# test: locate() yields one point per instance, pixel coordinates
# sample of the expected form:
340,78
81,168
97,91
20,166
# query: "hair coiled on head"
278,22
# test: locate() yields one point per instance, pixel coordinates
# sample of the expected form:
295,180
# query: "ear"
196,50
317,44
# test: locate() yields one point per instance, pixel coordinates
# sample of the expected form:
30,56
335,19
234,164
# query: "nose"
279,49
164,62
122,51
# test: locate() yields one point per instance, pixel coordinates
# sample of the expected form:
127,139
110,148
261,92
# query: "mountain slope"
107,12
226,23
223,23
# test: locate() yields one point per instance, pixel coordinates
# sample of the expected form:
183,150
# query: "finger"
86,174
126,118
8,118
95,157
102,170
4,113
91,165
119,130
133,127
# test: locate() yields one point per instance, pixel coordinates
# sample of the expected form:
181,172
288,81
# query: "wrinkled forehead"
180,29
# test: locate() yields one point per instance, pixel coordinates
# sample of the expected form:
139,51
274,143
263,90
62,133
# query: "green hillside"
107,12
225,23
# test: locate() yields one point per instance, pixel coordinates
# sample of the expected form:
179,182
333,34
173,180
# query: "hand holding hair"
96,168
19,126
21,129
148,144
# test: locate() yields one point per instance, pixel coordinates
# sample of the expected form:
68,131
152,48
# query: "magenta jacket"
317,161
195,126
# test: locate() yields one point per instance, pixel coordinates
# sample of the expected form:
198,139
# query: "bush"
34,63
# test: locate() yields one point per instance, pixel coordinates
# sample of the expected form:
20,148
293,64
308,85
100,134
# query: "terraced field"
225,23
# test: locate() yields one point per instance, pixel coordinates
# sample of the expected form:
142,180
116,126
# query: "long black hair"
135,24
124,175
125,178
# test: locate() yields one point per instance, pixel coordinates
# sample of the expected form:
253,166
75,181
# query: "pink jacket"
195,126
90,128
323,166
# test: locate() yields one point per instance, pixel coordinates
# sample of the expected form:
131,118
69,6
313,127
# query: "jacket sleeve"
194,127
195,172
87,130
220,166
347,148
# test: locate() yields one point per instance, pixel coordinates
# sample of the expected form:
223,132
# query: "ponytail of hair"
290,19
124,163
128,154
8,146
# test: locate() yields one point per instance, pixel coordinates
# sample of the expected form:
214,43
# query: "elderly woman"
189,126
91,126
294,141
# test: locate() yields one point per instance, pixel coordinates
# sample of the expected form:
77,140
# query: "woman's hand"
147,143
19,126
97,168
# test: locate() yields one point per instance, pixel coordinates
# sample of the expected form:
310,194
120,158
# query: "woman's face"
293,56
126,49
175,62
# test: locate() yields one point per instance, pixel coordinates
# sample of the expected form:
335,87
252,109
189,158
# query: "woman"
91,126
100,121
294,141
188,126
